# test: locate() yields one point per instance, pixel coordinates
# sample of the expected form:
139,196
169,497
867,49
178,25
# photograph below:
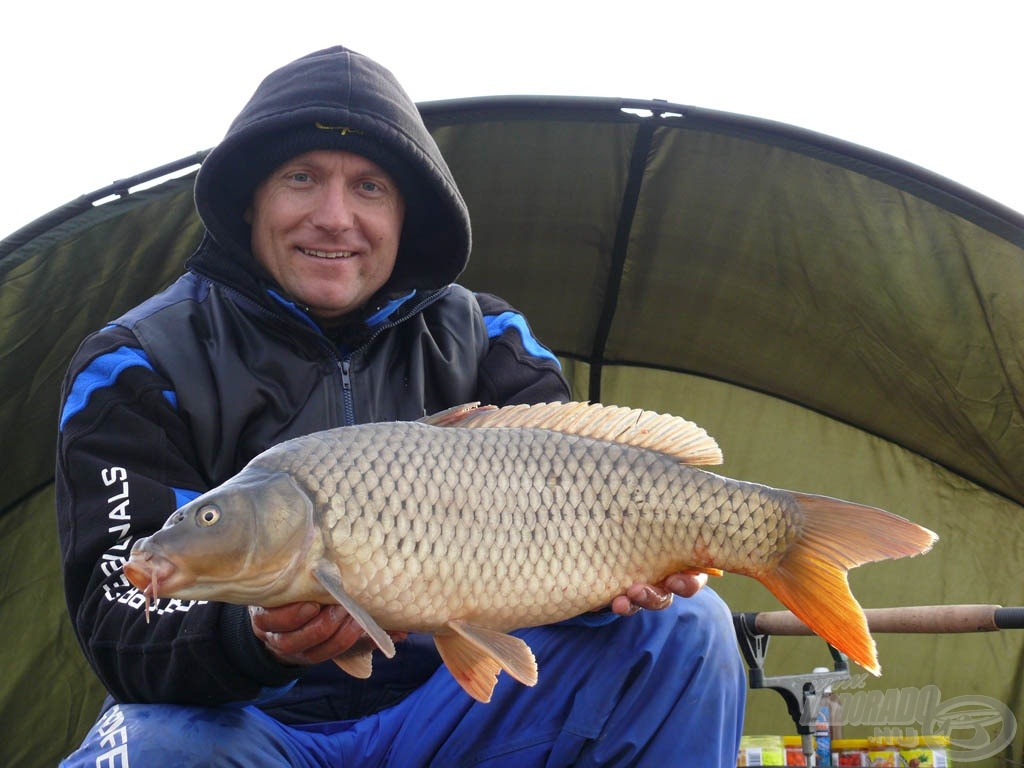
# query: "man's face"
326,225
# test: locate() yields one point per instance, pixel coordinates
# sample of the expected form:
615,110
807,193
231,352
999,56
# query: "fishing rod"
931,619
803,692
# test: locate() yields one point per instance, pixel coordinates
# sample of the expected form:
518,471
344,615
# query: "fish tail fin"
811,578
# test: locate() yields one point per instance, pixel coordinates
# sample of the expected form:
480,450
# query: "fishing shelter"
842,323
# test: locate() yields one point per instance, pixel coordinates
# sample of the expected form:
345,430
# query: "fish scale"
480,520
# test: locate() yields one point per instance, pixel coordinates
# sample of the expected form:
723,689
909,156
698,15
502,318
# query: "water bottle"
823,725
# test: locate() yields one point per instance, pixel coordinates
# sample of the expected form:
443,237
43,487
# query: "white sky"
94,92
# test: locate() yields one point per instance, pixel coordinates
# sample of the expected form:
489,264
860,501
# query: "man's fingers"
330,631
686,584
285,618
650,597
623,606
333,633
655,597
639,597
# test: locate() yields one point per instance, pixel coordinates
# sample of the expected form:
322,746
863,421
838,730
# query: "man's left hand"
655,597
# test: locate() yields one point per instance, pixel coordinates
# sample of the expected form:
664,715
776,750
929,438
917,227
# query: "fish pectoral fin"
329,576
474,655
356,661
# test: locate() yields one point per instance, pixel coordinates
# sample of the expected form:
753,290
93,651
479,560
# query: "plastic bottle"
822,723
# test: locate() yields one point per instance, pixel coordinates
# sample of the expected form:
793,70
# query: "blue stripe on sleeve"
498,324
101,373
183,496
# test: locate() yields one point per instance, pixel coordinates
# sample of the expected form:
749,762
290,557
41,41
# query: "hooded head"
338,99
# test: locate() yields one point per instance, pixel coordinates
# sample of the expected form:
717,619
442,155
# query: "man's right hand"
301,634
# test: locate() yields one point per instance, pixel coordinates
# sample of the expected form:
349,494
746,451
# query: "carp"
477,521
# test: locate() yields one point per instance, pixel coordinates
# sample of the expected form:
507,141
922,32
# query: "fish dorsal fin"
475,655
664,433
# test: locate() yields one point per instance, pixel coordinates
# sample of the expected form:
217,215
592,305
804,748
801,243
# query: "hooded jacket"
178,394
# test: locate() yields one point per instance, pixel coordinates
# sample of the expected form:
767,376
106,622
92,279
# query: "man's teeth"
327,254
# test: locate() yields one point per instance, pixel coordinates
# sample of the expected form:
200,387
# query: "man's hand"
655,597
301,634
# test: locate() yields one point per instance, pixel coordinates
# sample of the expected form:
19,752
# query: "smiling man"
323,294
326,226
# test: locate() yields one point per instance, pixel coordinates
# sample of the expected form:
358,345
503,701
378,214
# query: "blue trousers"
662,688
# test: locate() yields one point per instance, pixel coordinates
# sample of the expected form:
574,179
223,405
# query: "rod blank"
931,619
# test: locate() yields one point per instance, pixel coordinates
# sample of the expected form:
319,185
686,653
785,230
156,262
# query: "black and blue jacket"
181,392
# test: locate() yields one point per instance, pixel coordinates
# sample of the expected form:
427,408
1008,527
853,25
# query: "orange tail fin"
811,578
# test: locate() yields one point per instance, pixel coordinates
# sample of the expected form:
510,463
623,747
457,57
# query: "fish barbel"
480,520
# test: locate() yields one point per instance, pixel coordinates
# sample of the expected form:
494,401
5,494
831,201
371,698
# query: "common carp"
479,520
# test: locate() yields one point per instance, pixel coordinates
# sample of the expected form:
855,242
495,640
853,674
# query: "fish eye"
208,515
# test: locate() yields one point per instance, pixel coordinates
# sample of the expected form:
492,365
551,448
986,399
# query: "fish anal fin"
671,435
475,656
329,576
811,578
708,571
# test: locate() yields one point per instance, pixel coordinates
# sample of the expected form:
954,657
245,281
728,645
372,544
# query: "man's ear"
247,216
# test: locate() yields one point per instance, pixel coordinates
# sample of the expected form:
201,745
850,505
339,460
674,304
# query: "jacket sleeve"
517,367
124,464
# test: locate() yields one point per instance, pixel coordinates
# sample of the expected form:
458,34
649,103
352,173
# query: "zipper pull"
346,381
347,406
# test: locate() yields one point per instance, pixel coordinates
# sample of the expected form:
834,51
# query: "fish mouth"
150,573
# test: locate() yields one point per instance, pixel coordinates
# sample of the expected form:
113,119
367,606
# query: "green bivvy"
842,322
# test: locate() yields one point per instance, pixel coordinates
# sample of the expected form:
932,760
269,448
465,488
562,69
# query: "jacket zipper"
347,406
345,358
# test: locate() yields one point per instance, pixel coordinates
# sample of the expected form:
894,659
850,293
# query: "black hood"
339,99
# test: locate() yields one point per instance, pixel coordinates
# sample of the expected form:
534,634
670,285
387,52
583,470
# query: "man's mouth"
327,254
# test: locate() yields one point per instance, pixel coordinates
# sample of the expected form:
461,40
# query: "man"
323,295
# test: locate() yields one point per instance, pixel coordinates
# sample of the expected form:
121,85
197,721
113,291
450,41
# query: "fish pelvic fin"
357,661
811,578
329,576
671,435
475,656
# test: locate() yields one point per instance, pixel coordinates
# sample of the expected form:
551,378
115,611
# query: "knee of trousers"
165,734
693,636
701,623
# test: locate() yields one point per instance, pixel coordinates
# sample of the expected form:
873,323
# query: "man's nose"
334,211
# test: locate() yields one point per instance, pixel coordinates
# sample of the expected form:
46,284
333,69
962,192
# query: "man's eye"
300,177
370,186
